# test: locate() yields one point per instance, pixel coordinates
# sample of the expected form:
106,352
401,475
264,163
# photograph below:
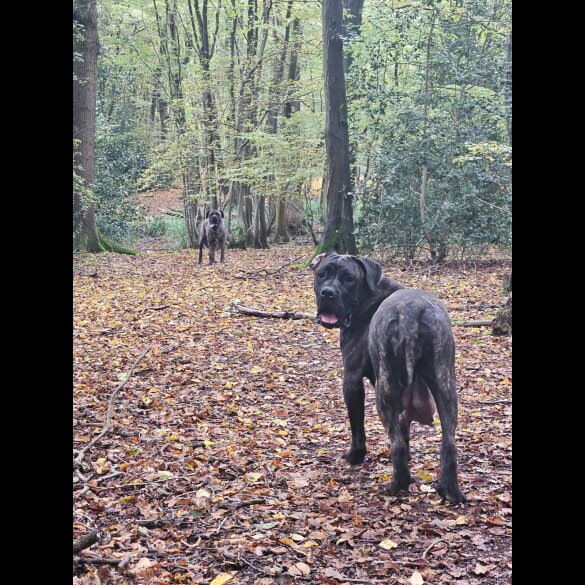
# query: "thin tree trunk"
425,170
260,231
281,234
508,88
338,233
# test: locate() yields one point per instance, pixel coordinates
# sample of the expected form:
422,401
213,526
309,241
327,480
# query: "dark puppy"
401,340
212,233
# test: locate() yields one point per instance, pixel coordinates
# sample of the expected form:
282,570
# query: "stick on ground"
81,453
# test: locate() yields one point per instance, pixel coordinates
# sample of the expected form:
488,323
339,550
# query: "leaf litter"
222,463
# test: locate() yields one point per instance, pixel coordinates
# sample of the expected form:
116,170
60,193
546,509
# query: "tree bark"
260,231
508,88
425,170
338,233
85,54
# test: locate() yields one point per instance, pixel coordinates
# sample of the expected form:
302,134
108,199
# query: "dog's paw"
393,488
354,456
452,493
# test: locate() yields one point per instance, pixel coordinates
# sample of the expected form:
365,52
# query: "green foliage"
425,90
120,156
427,93
163,169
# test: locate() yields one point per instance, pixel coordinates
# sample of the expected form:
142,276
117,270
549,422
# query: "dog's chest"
354,349
214,235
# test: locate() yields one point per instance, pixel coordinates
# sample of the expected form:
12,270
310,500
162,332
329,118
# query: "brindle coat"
401,340
212,233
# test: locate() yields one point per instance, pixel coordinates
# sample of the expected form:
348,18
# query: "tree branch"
81,453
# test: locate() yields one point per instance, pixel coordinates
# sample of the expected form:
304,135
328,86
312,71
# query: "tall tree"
338,233
85,54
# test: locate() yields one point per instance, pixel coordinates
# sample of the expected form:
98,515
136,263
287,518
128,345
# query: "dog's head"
215,218
342,284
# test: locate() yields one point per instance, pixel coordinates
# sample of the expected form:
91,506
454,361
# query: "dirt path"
225,409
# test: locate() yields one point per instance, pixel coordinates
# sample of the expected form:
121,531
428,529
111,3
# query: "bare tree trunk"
85,54
260,231
338,233
424,170
205,45
281,234
248,108
508,88
351,29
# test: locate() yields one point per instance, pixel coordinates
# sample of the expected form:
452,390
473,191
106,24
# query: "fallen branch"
469,307
85,541
272,314
495,401
101,561
299,315
81,453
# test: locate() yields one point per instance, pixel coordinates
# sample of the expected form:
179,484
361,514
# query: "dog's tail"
406,347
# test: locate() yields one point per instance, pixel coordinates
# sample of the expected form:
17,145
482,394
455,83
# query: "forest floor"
222,460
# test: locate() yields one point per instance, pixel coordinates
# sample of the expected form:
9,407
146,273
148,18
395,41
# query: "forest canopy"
224,100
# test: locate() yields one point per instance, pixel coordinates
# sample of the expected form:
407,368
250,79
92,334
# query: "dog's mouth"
214,226
330,320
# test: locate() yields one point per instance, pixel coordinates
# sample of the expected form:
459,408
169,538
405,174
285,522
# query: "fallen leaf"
221,579
388,544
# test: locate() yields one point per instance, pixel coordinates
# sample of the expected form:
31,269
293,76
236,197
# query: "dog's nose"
327,292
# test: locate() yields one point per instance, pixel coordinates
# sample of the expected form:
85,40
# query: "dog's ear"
222,216
372,269
207,214
317,260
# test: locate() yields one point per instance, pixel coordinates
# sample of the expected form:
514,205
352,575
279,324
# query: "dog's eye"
321,275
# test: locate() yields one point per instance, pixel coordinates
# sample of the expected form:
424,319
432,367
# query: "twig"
472,323
266,273
494,401
469,307
82,452
436,541
259,569
128,485
101,561
159,308
238,505
109,476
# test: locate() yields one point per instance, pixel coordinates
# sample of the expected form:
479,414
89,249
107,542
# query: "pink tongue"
328,318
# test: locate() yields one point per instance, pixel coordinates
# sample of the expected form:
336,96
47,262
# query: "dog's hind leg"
444,390
389,402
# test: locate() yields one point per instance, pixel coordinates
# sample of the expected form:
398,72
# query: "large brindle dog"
212,234
401,340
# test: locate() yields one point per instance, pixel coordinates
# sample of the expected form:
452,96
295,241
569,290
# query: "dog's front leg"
212,252
201,244
354,394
